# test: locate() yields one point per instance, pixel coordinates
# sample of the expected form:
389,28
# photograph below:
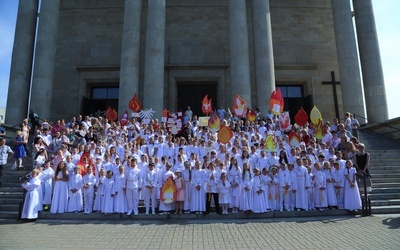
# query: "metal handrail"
375,122
366,200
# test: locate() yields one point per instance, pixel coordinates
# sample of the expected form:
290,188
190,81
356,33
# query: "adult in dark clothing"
361,162
34,120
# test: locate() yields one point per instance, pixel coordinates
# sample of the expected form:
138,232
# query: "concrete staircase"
11,193
385,171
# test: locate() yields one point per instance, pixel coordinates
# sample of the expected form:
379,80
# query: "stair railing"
374,122
365,200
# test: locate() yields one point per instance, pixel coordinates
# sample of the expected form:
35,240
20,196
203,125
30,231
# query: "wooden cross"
335,99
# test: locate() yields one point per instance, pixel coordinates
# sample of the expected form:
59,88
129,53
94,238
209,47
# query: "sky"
387,23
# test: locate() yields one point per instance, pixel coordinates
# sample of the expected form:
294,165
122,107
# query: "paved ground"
346,232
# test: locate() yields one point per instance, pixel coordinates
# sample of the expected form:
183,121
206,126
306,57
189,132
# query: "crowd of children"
94,165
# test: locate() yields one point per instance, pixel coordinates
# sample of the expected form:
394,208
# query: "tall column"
263,54
154,57
42,83
21,63
371,65
239,50
130,54
346,48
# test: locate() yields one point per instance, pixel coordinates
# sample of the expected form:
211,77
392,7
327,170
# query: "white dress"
302,183
120,202
99,200
330,188
47,185
284,189
273,193
266,181
109,190
352,199
198,202
59,204
258,195
75,202
223,192
320,197
186,175
246,197
234,176
32,203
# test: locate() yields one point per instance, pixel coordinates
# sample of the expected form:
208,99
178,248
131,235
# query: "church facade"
89,55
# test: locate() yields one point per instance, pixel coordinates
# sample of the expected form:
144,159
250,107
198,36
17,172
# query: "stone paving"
336,232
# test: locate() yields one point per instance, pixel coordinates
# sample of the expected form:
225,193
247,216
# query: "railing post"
366,201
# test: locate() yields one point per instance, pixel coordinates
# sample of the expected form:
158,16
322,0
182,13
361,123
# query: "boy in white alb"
89,181
150,188
75,202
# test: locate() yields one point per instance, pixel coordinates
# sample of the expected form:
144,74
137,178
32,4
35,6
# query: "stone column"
21,63
46,43
239,51
371,65
346,48
154,57
130,54
263,54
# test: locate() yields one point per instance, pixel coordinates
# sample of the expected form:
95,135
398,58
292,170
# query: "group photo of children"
92,165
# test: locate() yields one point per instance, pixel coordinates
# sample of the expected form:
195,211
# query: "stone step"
10,184
4,200
9,207
386,175
380,164
384,180
383,174
378,203
384,196
386,210
240,215
386,184
8,215
385,190
393,172
11,189
7,170
383,151
374,141
384,157
11,194
387,168
392,152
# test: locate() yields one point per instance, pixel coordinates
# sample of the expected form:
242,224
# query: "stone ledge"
211,216
196,67
90,68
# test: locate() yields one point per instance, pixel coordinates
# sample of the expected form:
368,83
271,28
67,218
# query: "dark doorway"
101,98
192,94
293,96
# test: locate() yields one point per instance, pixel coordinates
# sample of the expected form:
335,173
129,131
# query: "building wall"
197,48
303,35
